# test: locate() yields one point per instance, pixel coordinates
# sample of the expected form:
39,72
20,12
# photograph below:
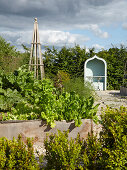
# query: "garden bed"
38,129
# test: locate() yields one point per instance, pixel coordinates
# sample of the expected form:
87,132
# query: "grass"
83,89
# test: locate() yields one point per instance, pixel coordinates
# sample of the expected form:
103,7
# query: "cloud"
98,2
95,29
97,46
61,38
58,17
124,26
58,14
48,37
98,32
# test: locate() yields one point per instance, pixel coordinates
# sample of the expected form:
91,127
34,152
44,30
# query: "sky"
88,23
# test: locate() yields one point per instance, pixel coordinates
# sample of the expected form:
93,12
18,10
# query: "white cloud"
95,29
97,46
124,26
61,38
47,37
98,32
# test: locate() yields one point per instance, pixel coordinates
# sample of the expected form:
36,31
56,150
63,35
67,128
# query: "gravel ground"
112,98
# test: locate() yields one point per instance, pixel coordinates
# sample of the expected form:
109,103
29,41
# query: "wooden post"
36,59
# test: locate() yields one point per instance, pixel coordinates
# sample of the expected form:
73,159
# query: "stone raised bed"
123,91
38,129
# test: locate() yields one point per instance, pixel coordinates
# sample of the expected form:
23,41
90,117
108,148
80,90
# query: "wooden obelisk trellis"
36,60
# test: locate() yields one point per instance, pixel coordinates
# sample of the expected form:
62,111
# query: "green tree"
70,60
10,58
116,59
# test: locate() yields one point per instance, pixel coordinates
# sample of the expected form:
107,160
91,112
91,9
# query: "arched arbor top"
96,57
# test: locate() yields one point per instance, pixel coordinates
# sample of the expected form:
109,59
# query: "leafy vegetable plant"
25,98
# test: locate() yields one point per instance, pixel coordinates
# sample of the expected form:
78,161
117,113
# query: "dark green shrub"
92,153
109,151
62,153
14,154
10,58
114,137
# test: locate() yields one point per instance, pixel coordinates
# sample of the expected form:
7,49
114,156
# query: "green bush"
62,153
10,58
61,78
109,151
82,89
14,154
114,137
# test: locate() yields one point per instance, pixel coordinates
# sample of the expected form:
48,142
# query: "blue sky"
89,23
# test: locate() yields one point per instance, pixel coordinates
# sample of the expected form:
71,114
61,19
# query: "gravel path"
112,98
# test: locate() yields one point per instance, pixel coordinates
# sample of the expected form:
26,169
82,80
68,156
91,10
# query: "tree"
116,59
10,59
70,60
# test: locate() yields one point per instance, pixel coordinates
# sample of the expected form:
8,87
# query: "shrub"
114,137
82,89
14,154
109,151
10,58
61,78
62,153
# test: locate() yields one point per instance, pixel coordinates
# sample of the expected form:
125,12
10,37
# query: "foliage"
26,98
65,153
92,153
114,137
125,80
69,60
10,59
64,83
61,78
62,153
117,65
109,151
14,154
82,89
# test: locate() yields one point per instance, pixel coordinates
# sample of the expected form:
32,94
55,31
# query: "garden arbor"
95,71
36,60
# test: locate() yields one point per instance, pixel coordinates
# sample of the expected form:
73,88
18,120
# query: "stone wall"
38,129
